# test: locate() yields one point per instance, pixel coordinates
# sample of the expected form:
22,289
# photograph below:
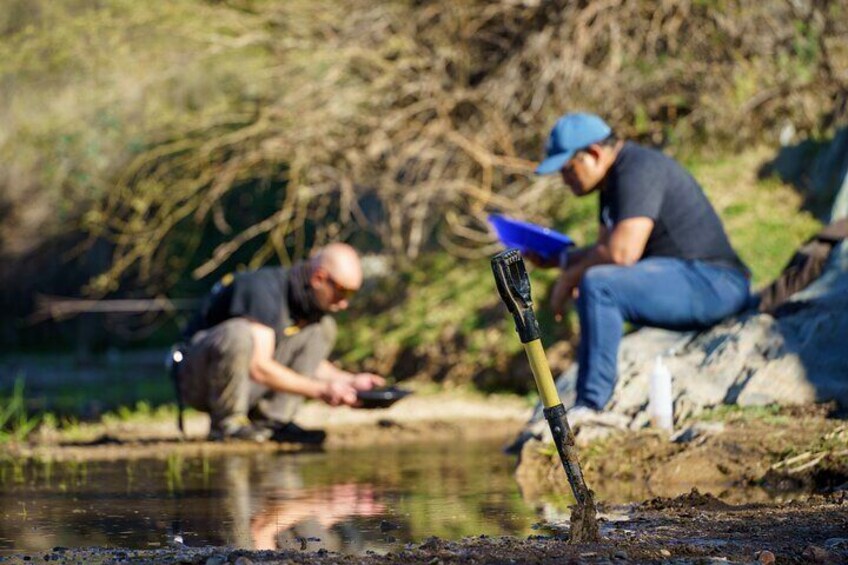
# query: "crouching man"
259,347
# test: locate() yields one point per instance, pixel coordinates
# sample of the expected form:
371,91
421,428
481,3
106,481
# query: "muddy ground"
790,467
751,455
691,528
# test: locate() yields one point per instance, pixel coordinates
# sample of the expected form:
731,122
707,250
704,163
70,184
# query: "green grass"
16,423
763,217
141,412
769,414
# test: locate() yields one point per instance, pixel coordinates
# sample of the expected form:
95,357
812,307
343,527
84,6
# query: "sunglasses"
343,291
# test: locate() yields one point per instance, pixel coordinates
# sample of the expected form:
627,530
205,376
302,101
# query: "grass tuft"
16,424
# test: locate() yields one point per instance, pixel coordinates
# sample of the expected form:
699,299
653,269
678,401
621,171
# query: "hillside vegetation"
189,138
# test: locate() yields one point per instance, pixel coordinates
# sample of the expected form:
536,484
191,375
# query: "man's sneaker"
239,428
289,432
583,416
579,417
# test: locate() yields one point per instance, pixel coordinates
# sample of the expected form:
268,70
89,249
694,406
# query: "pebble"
216,560
243,561
386,526
430,543
816,554
836,543
765,557
665,553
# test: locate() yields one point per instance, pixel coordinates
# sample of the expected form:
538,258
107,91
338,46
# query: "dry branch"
437,110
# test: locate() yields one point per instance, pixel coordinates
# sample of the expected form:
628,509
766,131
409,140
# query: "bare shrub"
437,111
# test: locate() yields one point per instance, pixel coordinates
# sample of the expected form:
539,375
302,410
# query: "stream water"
349,501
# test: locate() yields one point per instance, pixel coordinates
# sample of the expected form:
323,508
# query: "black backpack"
805,266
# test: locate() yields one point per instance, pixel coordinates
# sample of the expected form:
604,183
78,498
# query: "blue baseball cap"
570,134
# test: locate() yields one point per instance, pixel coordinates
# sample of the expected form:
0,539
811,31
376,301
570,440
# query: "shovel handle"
564,442
514,287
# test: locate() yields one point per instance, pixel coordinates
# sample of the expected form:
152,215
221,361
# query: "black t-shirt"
644,182
260,295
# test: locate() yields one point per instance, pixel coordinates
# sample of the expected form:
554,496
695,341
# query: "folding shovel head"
514,287
512,280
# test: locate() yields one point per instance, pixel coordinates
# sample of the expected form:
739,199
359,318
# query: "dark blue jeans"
661,292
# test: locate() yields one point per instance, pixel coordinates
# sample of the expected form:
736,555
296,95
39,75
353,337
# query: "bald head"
341,262
335,274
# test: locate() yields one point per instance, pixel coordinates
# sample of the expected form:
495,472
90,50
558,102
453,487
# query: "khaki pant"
215,374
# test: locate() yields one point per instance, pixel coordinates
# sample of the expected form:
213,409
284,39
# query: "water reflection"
348,501
278,511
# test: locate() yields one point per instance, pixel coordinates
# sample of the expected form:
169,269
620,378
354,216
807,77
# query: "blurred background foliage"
150,147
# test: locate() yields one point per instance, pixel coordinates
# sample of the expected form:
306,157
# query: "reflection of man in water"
260,344
280,513
288,517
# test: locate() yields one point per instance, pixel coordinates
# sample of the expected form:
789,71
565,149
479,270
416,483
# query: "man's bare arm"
623,245
265,370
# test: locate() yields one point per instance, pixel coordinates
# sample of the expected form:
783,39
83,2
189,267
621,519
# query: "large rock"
753,359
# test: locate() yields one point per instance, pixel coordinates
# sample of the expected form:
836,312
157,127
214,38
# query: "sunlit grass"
763,217
16,423
769,414
141,412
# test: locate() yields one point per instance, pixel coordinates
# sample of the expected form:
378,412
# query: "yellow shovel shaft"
542,373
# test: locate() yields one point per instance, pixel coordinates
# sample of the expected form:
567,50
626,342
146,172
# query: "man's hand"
337,393
367,381
564,290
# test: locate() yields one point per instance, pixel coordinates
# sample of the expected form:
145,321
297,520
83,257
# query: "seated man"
662,257
260,343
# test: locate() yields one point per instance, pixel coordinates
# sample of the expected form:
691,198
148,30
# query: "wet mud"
691,528
584,527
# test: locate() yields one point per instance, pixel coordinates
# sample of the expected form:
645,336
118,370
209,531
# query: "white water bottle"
659,397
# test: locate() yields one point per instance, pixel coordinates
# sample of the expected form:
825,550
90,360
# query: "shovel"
514,287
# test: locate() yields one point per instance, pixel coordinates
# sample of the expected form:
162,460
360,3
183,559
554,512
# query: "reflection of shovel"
514,288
